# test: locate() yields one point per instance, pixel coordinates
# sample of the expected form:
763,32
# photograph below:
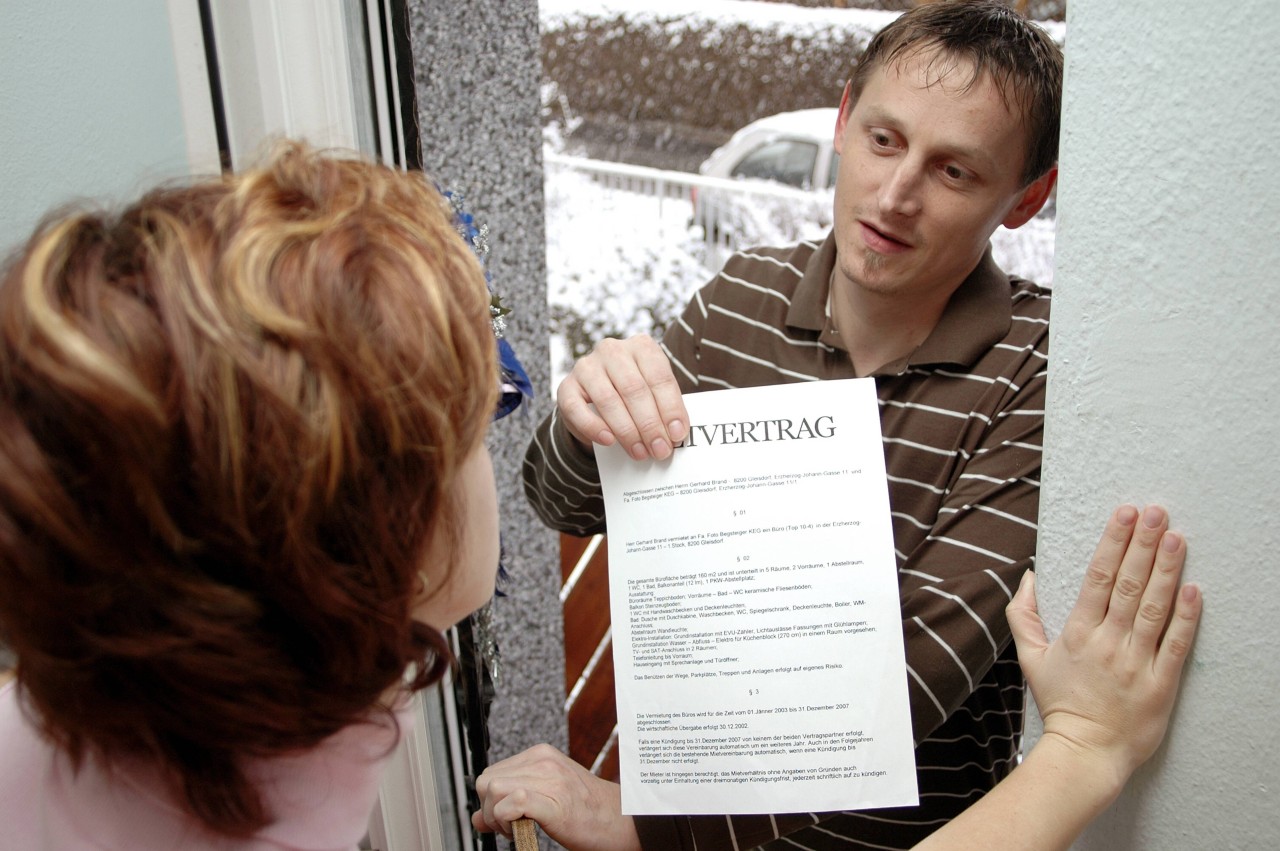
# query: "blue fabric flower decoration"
513,380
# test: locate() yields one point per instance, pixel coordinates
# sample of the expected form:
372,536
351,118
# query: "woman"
243,489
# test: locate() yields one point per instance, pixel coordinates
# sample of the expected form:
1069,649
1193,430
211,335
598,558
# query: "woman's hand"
1106,686
1105,689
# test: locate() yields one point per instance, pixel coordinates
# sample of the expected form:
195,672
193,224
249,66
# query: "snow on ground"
618,263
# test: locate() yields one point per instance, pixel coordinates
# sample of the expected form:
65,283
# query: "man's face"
928,170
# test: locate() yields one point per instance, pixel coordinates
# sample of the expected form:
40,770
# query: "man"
947,129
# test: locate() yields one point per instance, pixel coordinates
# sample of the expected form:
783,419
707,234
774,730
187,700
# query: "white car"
790,149
793,148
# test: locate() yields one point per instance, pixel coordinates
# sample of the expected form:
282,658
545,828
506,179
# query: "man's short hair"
1022,59
232,417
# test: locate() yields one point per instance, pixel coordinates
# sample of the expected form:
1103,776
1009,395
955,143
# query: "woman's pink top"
321,799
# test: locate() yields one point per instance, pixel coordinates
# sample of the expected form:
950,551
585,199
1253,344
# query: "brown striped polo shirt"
962,418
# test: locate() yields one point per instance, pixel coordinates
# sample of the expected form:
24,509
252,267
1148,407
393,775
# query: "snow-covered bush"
618,263
714,65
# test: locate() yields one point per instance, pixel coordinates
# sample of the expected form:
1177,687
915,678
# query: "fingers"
504,790
1108,684
1176,644
574,404
484,819
1100,577
1024,619
1135,568
481,825
635,396
1132,585
1117,576
1157,600
1169,613
655,403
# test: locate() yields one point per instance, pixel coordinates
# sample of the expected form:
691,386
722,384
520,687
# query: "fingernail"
1152,517
675,428
1190,591
660,448
1171,541
1127,515
605,437
638,452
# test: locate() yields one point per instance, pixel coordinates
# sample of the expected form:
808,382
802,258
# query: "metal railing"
721,207
733,214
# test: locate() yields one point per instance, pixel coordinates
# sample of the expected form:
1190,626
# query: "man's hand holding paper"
625,393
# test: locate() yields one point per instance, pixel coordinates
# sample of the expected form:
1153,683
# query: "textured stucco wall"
88,106
477,72
1164,383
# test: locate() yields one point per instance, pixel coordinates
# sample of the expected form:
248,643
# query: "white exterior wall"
1164,384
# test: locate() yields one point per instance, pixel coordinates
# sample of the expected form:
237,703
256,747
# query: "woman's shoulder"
321,798
24,771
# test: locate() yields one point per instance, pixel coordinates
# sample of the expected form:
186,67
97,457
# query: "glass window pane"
786,161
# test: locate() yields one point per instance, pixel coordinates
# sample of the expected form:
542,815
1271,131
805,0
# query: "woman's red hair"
230,419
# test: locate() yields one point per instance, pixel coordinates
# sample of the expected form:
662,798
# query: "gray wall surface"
477,73
1163,380
89,110
88,106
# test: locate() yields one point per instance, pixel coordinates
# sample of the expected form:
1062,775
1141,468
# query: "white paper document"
757,635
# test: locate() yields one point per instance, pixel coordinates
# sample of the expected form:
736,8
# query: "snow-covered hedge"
712,64
1054,10
715,64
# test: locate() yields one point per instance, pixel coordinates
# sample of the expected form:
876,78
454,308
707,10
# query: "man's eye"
881,140
955,172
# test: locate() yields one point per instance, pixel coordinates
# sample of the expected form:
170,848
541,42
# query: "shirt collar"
977,317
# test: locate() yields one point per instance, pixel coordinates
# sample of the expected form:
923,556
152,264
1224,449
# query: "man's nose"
900,192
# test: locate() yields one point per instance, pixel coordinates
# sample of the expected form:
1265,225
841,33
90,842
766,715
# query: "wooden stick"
525,832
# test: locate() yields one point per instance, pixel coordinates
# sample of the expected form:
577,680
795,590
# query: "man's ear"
842,120
1033,198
